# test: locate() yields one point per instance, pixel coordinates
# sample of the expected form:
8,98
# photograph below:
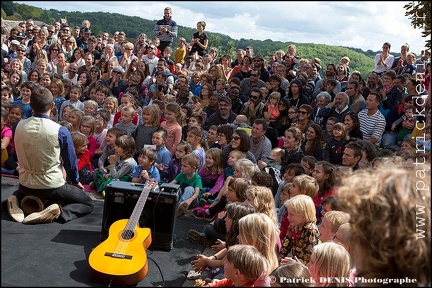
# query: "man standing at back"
165,29
44,150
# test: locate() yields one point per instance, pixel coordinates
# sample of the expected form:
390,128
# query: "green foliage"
8,7
420,14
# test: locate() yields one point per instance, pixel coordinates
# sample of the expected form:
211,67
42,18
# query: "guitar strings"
130,227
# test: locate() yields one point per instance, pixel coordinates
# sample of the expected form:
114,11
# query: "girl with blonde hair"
330,261
260,231
262,199
303,234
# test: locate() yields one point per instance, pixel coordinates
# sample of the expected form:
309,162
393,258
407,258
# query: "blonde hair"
263,201
307,183
191,159
217,156
91,121
114,100
332,261
275,95
246,167
90,102
280,153
302,205
263,233
154,112
336,219
293,270
237,153
79,139
129,108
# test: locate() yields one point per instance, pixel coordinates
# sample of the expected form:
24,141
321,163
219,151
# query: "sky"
365,25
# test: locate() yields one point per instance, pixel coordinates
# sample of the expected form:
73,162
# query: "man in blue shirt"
45,152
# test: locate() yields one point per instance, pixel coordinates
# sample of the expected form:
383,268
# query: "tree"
420,15
8,7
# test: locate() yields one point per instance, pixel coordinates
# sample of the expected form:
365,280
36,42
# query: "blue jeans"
187,193
388,139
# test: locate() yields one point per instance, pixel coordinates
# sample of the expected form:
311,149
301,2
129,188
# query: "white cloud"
364,25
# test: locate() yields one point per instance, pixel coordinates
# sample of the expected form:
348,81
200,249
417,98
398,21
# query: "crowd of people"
305,176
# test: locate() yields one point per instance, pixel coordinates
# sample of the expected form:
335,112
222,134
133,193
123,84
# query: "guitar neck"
136,213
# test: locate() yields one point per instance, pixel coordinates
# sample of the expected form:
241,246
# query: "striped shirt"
372,126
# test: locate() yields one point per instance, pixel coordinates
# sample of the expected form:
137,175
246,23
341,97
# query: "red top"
84,161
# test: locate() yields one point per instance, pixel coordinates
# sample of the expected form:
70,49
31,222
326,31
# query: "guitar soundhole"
127,234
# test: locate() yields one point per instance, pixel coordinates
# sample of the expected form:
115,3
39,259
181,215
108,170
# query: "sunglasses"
254,75
303,112
116,72
254,98
235,138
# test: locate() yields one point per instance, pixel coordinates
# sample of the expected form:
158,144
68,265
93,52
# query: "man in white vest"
44,150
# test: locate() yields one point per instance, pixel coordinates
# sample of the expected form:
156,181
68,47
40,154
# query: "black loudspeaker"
159,213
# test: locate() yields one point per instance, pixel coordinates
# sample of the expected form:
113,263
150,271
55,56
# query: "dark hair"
357,149
369,148
377,96
334,202
105,114
261,121
329,169
227,130
163,131
116,131
355,119
235,211
262,178
316,143
41,99
188,110
244,140
296,167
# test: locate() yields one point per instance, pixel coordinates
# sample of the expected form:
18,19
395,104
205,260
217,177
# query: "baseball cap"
226,99
152,46
87,31
21,35
15,42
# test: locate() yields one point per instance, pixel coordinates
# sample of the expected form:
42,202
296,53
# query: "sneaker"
192,275
199,238
45,216
181,209
200,214
15,212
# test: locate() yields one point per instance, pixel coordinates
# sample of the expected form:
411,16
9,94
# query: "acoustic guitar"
121,259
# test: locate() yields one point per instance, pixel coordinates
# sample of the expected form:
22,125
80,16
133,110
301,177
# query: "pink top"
174,134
